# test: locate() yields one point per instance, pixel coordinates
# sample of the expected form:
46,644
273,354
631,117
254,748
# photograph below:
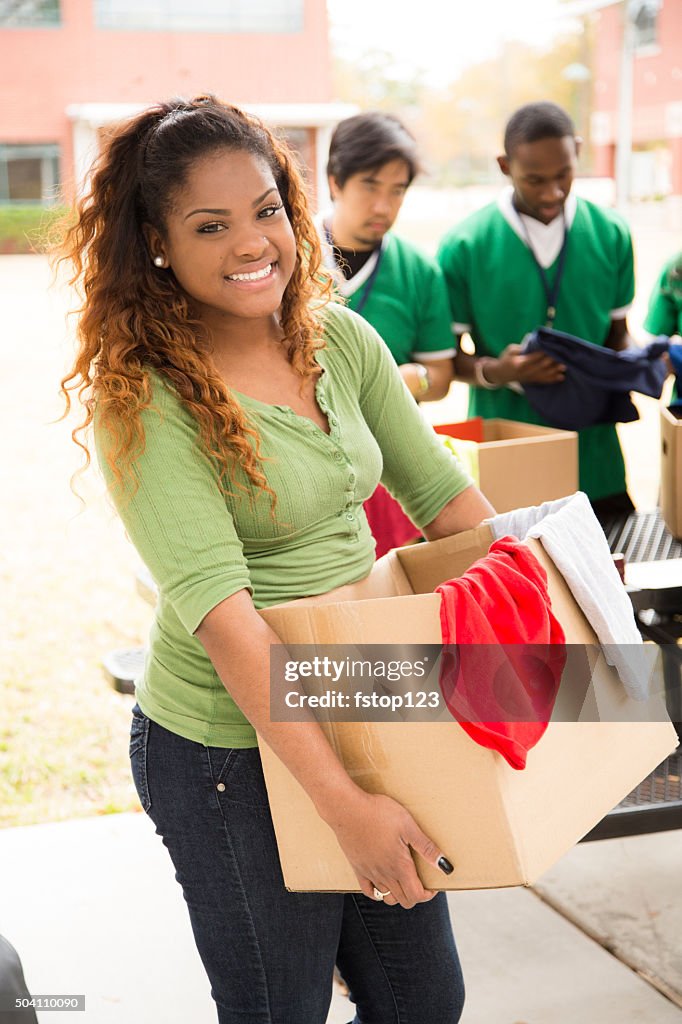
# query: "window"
276,16
645,21
29,13
29,174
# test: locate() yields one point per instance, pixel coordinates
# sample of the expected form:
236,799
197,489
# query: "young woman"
240,423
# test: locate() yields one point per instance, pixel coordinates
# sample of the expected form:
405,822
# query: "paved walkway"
93,908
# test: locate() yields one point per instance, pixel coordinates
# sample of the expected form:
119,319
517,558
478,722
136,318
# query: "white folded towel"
571,535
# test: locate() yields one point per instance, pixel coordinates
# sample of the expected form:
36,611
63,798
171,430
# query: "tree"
460,127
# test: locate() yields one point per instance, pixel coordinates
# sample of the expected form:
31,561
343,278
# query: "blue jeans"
270,954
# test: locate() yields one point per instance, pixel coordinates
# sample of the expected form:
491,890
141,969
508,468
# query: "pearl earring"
159,261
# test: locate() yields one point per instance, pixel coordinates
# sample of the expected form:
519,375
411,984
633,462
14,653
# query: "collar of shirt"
546,239
350,286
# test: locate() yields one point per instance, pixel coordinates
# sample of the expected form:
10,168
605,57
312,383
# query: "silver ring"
379,895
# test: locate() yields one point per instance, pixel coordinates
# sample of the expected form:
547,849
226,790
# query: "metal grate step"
642,537
654,806
663,786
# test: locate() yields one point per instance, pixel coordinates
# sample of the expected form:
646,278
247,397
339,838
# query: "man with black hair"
388,281
396,288
540,256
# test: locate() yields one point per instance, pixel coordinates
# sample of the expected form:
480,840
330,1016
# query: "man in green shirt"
388,281
664,315
665,305
539,255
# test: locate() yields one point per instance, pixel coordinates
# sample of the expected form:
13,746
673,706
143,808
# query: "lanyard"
551,289
372,277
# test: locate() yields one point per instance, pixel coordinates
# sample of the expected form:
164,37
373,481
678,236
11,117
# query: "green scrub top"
497,296
665,305
407,303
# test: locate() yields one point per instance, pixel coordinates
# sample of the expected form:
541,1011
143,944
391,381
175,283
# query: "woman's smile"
254,278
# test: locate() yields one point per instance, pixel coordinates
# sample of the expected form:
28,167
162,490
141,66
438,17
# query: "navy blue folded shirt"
598,381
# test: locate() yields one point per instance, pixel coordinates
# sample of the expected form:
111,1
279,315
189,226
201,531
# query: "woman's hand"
377,835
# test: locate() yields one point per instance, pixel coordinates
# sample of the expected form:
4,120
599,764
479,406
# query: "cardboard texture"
498,826
520,464
671,469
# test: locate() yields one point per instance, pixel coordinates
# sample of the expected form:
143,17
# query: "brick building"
69,67
656,167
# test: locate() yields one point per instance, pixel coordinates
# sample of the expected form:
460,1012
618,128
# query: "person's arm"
479,370
510,367
427,380
419,471
463,512
464,365
375,832
619,337
177,517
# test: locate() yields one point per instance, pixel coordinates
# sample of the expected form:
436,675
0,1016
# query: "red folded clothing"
504,650
387,521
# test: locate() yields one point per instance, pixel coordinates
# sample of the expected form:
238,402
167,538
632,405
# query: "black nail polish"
445,865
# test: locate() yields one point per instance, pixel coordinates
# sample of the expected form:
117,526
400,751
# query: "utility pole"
625,102
629,10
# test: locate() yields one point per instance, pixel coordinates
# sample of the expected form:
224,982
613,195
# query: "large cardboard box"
498,826
671,468
520,464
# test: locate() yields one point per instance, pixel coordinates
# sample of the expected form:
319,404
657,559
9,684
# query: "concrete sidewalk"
93,908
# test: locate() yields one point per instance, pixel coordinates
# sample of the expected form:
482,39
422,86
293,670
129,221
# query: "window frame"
49,154
31,21
166,19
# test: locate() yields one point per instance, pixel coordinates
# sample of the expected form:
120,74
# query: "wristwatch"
424,378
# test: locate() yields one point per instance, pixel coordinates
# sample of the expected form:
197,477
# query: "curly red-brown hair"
134,319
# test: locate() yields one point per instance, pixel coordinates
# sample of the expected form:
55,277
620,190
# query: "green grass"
56,765
25,229
63,738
